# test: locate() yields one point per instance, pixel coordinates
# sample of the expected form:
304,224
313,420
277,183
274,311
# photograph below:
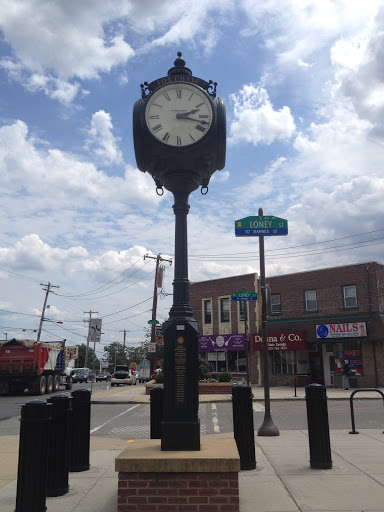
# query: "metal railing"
297,377
354,431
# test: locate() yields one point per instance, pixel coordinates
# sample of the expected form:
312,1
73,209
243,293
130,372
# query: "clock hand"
192,119
180,115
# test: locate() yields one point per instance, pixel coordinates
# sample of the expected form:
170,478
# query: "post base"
268,428
180,435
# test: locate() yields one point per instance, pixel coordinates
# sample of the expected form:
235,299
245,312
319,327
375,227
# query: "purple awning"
212,343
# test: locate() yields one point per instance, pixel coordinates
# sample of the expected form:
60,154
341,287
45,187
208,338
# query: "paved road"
10,405
132,420
125,421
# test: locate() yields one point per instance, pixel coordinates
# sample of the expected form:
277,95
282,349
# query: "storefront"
225,353
289,355
342,343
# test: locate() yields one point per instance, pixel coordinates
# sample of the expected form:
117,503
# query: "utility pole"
90,313
125,337
47,290
159,260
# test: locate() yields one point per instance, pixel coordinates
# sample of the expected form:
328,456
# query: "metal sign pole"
268,428
246,339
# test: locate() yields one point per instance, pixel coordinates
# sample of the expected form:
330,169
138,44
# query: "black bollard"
33,456
157,412
243,425
80,426
58,457
318,427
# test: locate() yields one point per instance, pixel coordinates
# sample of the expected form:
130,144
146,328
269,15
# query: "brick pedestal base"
203,481
177,492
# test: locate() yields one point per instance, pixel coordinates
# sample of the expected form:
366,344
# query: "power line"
109,294
285,255
296,246
106,284
20,276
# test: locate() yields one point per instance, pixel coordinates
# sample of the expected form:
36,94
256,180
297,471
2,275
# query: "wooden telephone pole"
159,260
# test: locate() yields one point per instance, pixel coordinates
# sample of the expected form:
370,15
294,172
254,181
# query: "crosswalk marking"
133,422
258,407
215,420
121,414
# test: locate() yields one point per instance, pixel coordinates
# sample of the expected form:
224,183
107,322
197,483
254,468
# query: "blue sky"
304,91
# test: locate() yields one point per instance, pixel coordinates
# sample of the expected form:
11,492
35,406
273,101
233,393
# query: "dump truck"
39,366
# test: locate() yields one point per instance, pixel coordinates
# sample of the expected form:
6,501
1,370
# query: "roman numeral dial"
179,114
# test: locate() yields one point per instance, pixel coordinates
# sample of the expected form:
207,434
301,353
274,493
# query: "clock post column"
181,426
179,133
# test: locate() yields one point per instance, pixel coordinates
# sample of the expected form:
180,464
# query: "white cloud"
66,42
59,176
294,30
101,140
57,42
256,121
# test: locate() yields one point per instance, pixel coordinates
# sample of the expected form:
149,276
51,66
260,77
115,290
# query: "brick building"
318,319
217,315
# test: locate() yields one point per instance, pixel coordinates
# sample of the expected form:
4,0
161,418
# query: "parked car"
124,376
82,375
106,376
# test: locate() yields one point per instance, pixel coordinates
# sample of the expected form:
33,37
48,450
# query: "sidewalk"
137,395
282,481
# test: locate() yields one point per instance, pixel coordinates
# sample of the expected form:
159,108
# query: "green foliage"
115,354
203,368
224,377
92,359
159,379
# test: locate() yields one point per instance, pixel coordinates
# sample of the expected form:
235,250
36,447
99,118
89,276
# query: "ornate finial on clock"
179,68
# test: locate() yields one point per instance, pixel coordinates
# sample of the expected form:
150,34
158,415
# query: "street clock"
179,125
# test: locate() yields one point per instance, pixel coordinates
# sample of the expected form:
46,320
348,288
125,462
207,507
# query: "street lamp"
179,133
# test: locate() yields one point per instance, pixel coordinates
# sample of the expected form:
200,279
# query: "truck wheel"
68,385
49,386
41,385
56,383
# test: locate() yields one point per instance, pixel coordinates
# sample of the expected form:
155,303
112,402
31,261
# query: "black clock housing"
166,163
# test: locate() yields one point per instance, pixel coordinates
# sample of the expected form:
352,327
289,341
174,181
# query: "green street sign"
153,322
261,226
244,295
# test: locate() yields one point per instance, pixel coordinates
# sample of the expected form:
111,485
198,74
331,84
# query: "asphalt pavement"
283,480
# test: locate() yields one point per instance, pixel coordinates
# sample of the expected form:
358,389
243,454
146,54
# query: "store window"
275,304
310,300
207,311
217,362
351,352
349,296
284,362
224,310
233,361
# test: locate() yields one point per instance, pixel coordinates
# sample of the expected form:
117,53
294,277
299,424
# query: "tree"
92,359
115,353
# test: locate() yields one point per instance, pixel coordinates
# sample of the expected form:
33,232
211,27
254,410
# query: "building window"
275,304
242,304
232,361
351,352
224,310
310,300
349,297
207,311
284,362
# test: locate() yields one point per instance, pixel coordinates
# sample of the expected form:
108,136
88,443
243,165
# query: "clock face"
178,114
